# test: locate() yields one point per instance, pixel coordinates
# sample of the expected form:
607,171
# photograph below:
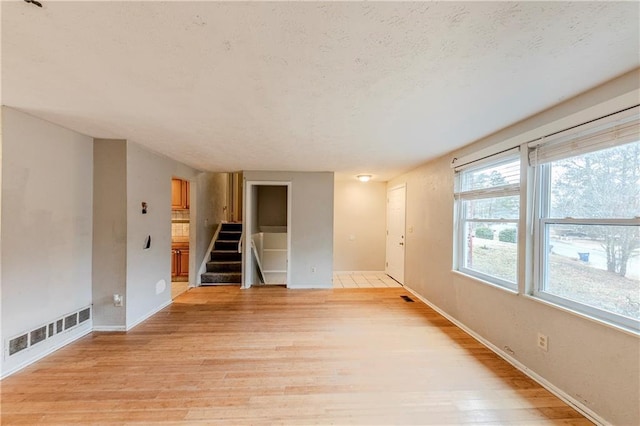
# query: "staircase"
225,266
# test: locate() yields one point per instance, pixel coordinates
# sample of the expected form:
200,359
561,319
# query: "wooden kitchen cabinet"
179,194
179,261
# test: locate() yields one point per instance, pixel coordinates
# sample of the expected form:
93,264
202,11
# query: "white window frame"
541,245
461,221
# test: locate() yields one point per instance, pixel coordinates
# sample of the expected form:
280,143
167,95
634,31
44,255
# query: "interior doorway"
267,235
180,235
396,210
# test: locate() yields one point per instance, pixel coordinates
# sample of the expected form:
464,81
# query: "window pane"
504,173
492,249
596,265
602,184
493,208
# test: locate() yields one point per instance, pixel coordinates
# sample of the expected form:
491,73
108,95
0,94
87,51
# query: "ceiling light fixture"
364,178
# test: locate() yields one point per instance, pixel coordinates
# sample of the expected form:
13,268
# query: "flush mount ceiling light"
364,178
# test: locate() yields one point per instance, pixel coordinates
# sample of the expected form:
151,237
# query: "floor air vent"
407,299
46,331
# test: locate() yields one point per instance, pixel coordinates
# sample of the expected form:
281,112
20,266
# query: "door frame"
402,186
193,200
247,257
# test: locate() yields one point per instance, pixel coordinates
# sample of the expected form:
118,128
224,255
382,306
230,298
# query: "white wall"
47,186
595,364
311,227
109,232
127,175
148,270
359,226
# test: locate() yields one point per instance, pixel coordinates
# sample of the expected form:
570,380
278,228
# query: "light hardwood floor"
221,355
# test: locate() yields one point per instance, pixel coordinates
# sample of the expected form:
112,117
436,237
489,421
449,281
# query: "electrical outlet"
543,342
117,300
313,269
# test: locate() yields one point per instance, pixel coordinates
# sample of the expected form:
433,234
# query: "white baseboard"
148,315
579,406
72,337
358,272
101,328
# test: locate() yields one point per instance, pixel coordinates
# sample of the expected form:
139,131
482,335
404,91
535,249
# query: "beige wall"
272,202
47,186
359,226
312,225
109,231
595,364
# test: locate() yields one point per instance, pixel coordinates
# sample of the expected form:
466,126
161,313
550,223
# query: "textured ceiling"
344,87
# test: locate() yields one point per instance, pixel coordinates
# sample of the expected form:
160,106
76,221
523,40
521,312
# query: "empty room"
371,213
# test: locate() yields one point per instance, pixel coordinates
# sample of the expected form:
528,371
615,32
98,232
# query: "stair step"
231,227
221,277
229,236
226,245
221,255
233,266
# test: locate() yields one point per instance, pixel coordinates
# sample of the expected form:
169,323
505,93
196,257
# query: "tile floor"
363,280
177,288
354,279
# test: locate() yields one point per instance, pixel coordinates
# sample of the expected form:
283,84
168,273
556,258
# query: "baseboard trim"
104,328
148,315
579,406
38,357
358,272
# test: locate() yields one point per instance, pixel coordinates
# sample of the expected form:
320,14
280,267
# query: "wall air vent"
38,335
18,344
84,315
70,321
46,331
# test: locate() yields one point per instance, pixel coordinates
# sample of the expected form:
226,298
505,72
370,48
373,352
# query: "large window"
488,211
588,226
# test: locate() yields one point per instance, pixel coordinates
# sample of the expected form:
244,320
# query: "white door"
395,233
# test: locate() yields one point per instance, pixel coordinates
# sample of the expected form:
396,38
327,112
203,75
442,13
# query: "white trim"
358,272
203,265
570,400
70,339
148,315
105,328
247,223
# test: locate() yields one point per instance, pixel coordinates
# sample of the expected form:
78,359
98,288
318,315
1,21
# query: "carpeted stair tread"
225,266
221,277
226,245
229,255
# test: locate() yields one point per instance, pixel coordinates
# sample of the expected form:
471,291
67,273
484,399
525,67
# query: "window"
588,226
488,211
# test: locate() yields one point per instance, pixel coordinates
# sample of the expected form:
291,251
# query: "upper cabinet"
179,194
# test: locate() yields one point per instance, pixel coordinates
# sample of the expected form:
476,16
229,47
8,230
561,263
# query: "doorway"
180,235
396,210
267,236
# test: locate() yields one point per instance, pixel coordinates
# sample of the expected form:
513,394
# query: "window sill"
591,318
485,282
